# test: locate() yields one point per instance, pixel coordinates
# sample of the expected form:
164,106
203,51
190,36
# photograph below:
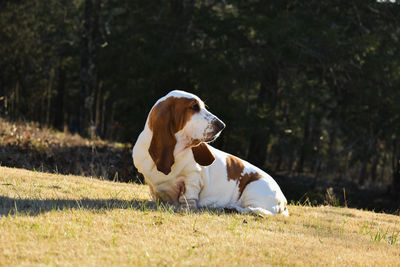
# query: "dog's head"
181,114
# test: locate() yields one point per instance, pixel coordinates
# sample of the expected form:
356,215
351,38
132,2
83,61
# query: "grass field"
50,219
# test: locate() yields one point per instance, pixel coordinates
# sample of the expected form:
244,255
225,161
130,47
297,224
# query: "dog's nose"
218,125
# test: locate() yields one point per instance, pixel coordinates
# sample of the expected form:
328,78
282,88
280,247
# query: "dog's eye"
195,107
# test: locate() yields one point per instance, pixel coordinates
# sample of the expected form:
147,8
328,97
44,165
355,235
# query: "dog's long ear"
202,155
163,141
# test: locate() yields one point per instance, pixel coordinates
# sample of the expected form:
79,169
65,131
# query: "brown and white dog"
181,168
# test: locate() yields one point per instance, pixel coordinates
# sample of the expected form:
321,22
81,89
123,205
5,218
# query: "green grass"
51,219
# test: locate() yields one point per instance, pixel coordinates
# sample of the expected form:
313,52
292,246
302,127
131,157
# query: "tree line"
309,87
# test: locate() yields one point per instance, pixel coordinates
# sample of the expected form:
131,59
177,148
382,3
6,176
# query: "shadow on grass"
34,207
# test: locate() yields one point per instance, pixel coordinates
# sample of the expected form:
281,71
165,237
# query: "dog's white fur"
189,183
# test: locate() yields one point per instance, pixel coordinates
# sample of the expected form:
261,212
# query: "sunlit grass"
70,220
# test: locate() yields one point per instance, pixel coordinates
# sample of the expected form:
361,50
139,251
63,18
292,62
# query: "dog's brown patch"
246,179
235,167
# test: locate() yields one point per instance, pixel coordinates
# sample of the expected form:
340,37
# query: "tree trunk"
59,102
103,115
306,138
374,167
257,152
396,169
258,149
88,65
382,174
363,173
14,102
99,95
48,95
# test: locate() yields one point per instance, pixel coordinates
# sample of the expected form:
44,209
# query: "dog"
181,168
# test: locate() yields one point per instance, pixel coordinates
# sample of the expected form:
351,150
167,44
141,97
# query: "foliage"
305,87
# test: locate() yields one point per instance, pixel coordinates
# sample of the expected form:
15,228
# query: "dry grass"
28,146
30,133
48,219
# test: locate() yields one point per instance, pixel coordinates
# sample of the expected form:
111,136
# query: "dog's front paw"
187,204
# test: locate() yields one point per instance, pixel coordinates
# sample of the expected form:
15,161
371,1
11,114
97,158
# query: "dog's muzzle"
218,125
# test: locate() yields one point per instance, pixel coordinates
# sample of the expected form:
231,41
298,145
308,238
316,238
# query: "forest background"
309,90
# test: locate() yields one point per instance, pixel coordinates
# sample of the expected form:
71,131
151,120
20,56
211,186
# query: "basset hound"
181,168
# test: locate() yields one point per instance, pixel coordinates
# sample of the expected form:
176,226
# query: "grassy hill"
29,146
53,219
